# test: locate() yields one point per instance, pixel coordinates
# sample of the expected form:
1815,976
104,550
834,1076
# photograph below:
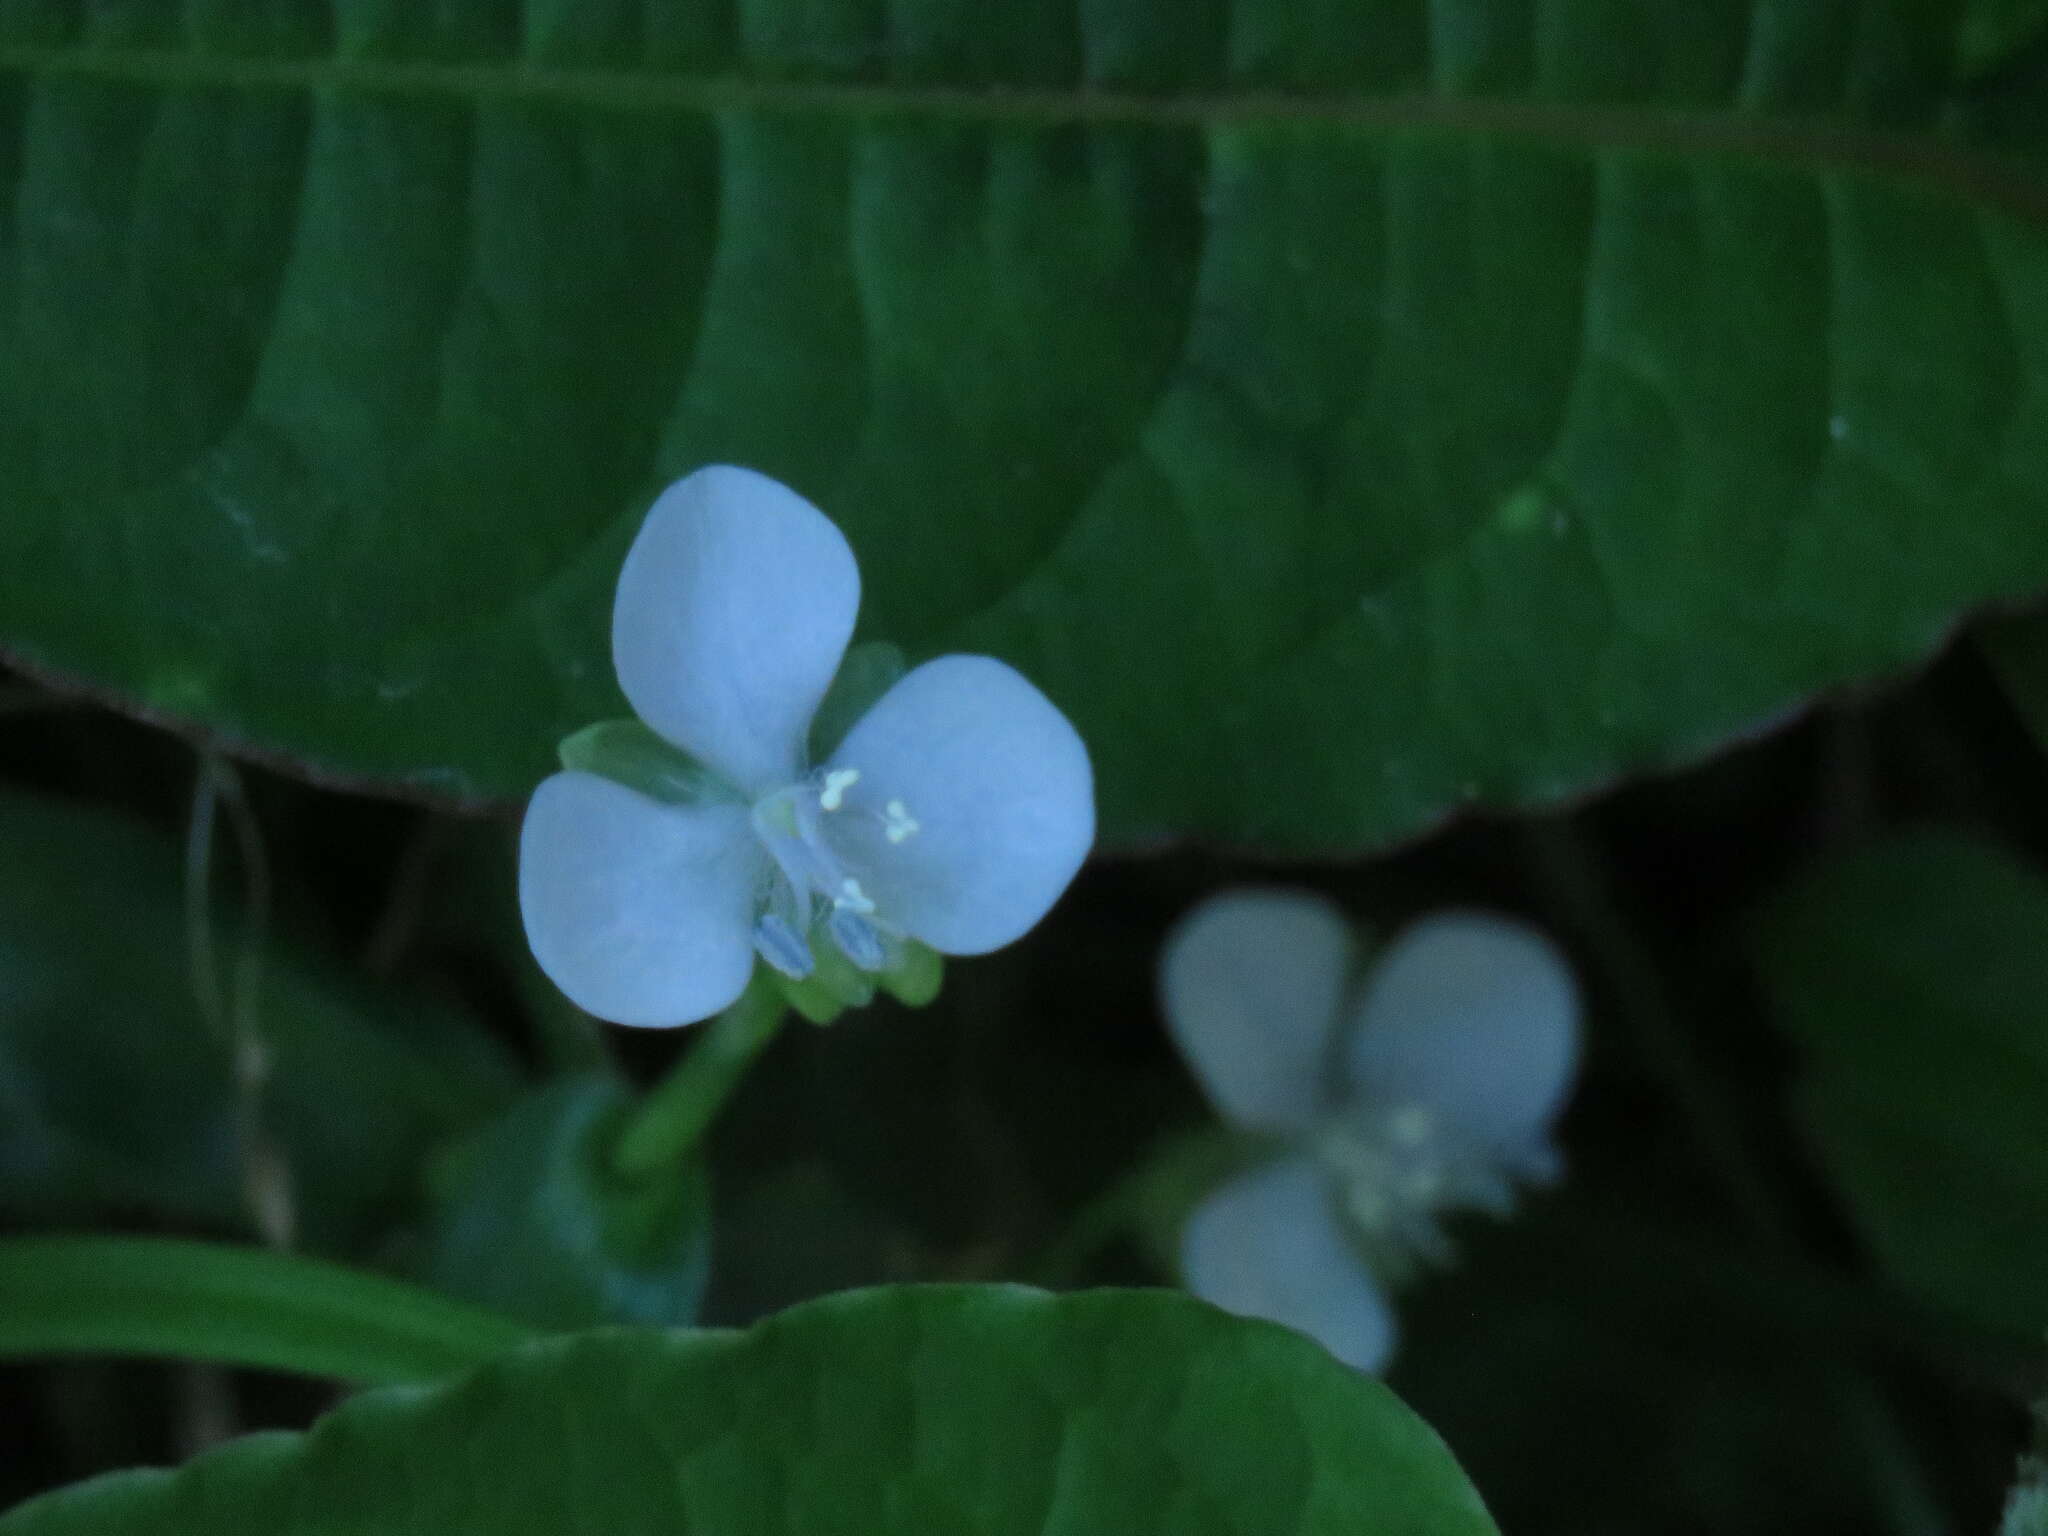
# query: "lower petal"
973,804
1267,1245
640,912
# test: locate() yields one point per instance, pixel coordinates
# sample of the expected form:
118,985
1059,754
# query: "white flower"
1429,1087
954,812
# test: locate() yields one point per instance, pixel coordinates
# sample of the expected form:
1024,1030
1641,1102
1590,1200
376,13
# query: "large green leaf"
116,1096
1347,409
1914,976
938,1410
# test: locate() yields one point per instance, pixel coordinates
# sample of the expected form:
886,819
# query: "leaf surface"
236,1305
1347,411
936,1409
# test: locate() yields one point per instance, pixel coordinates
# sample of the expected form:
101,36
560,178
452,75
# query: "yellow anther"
837,782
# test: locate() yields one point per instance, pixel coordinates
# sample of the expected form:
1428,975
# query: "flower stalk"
677,1112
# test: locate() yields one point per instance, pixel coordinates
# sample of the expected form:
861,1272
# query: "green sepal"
869,671
914,975
628,753
809,999
834,985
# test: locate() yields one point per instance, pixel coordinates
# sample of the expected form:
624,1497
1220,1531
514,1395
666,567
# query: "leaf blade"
234,1305
959,1408
1347,440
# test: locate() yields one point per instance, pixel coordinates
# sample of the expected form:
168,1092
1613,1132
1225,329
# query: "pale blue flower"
1430,1085
954,812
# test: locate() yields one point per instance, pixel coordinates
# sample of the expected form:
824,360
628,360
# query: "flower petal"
974,805
1267,1244
734,606
1251,983
641,912
1475,1016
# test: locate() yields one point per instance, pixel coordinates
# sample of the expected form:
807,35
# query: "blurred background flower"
1425,1087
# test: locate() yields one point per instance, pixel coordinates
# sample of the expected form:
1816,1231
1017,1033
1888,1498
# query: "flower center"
811,876
1397,1170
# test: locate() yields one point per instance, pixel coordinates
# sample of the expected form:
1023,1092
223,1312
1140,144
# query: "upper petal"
1251,983
734,606
997,784
641,912
1473,1015
1267,1244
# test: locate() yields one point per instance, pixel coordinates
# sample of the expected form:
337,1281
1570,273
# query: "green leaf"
116,1097
239,1306
942,1409
528,1218
1341,435
1912,977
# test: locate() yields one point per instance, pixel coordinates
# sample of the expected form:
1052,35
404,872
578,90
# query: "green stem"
235,1305
673,1118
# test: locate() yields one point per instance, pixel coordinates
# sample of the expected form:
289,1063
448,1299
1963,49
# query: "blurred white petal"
1267,1245
1251,983
1475,1017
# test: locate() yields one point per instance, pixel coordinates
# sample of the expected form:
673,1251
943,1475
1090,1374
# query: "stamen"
899,823
1397,1167
783,947
852,898
857,940
837,782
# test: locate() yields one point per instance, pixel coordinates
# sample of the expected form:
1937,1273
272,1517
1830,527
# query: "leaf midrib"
1812,142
